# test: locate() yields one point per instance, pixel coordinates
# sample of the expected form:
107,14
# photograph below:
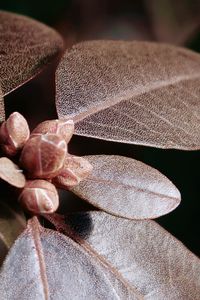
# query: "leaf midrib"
110,182
78,117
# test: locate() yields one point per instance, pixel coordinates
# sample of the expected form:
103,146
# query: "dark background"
176,22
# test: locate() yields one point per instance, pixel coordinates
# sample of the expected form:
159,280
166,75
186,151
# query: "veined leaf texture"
127,188
132,92
52,266
146,256
26,46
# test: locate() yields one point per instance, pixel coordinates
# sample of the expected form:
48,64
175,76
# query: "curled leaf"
26,46
128,188
147,257
11,173
40,256
132,92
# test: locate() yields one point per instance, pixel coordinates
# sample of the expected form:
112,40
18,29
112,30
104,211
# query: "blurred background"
171,21
176,22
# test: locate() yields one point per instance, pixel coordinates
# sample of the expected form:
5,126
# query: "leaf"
131,92
26,46
127,188
146,256
2,110
11,173
51,266
12,223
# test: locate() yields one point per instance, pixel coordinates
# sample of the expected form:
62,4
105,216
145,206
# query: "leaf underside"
146,257
127,188
26,46
52,266
132,92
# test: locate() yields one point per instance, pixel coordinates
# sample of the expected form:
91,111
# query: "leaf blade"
127,188
81,277
26,47
146,255
132,92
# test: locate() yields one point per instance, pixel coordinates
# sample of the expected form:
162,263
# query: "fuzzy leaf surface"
127,188
26,46
2,110
142,252
11,173
51,266
132,92
12,223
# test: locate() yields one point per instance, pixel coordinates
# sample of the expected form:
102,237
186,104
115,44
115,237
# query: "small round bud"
43,156
74,171
39,197
14,133
64,128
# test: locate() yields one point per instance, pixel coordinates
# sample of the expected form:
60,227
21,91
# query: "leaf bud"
14,132
43,156
39,197
74,171
11,173
64,128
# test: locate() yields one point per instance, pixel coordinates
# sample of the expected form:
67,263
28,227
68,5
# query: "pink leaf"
146,257
52,266
132,92
127,188
26,46
11,173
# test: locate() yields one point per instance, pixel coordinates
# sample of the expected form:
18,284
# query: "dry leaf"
26,46
11,173
132,92
12,222
128,188
146,256
40,257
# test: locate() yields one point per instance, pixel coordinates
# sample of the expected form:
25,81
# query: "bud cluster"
44,158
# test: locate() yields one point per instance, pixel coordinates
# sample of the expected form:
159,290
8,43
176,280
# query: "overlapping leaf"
128,188
12,223
147,257
133,92
51,266
25,47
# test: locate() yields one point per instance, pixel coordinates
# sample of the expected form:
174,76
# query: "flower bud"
64,128
43,156
75,170
10,173
39,197
14,133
